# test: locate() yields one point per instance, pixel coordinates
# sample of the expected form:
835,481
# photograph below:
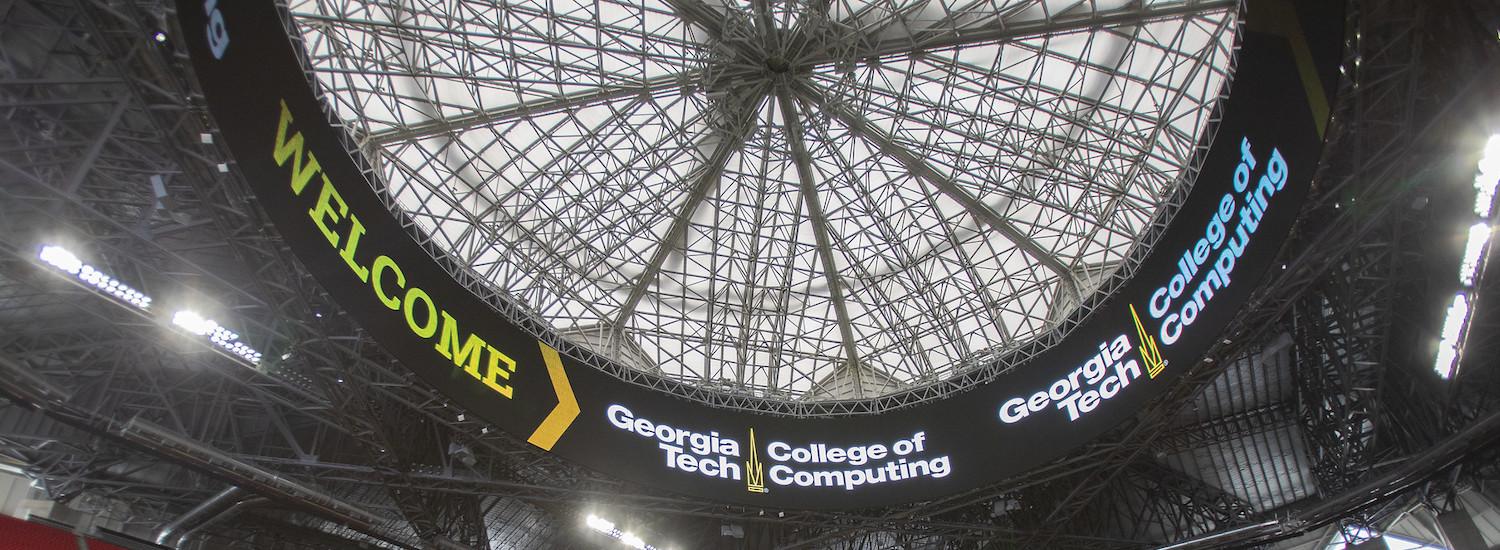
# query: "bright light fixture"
193,322
607,528
1479,239
224,338
1453,328
1487,177
68,262
600,524
1486,180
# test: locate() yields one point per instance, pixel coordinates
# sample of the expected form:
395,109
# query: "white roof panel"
627,167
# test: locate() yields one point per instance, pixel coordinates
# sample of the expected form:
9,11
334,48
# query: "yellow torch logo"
755,474
1149,352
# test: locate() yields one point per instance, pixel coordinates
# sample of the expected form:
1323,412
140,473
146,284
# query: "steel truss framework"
773,205
91,123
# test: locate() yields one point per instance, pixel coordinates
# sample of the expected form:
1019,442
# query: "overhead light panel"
601,525
96,279
68,262
1453,329
608,529
1456,322
225,339
1487,178
1479,240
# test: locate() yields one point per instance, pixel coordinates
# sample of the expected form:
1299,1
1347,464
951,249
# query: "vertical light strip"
1456,322
1453,328
1487,178
1479,240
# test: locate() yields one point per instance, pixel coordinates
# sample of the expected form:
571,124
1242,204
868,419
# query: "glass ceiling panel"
974,169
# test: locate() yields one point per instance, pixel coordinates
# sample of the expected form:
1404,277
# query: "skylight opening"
627,168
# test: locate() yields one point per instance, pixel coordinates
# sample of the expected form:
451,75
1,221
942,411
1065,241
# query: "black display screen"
1214,252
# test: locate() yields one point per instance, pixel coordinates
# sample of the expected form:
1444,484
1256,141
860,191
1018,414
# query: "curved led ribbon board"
1203,268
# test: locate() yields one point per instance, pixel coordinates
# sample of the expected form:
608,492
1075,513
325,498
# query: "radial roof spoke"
914,164
792,126
707,177
701,14
937,26
501,115
782,198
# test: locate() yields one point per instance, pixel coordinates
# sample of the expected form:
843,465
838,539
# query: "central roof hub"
778,64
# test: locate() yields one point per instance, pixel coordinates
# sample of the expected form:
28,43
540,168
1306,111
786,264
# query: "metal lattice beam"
919,168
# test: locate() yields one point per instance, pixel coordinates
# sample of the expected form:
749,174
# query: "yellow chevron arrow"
557,421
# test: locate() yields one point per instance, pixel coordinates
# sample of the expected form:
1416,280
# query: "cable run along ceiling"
793,200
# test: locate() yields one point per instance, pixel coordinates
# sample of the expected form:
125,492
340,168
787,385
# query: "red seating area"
18,534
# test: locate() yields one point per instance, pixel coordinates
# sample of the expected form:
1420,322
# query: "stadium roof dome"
786,199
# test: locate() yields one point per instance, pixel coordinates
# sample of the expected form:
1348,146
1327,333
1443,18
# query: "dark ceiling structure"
1317,418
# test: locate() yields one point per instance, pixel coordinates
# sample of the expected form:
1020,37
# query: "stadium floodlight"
608,528
68,262
1487,177
194,323
600,524
1453,329
1455,324
1479,240
223,338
